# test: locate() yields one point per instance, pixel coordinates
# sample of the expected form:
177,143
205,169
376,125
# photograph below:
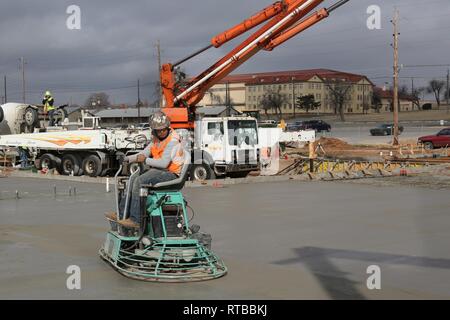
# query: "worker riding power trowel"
165,248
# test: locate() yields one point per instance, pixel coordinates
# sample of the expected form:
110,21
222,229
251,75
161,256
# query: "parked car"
143,126
385,130
268,124
296,126
439,140
120,127
317,125
427,106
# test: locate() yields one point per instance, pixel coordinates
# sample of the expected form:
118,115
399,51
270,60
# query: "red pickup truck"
442,139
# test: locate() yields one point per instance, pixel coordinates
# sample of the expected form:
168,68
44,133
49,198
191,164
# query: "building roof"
389,94
126,113
72,109
295,75
215,111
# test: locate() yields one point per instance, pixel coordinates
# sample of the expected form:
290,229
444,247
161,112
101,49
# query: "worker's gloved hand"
141,158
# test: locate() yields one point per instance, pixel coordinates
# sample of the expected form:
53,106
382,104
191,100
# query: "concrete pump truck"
166,247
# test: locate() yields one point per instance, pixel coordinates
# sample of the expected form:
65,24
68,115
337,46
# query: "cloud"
116,44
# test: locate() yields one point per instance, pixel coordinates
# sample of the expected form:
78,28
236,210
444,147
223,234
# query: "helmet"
48,93
159,121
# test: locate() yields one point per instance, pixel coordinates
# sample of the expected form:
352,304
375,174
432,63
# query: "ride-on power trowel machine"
165,248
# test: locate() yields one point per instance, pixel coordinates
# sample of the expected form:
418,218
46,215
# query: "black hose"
193,212
337,5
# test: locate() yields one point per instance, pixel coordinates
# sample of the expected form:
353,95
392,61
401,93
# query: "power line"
91,89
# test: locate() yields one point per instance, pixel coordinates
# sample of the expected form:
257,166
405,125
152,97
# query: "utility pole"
158,52
364,98
448,92
4,87
139,100
293,94
396,71
22,65
227,98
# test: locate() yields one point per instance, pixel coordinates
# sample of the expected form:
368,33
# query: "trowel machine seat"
165,247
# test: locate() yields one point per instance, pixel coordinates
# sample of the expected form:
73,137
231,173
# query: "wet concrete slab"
281,240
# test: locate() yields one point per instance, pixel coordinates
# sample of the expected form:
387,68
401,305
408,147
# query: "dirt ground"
336,148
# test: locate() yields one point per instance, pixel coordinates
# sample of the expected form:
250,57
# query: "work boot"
111,216
128,223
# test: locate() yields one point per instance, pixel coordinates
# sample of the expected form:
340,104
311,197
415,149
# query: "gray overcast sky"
116,43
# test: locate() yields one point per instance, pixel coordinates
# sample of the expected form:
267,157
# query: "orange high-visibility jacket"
177,153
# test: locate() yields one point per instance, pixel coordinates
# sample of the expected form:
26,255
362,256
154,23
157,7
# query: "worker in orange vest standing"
165,156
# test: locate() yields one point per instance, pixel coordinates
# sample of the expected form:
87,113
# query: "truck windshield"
242,132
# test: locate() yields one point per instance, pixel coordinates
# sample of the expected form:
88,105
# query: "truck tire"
71,162
202,172
2,114
49,161
241,174
31,117
92,166
105,172
428,145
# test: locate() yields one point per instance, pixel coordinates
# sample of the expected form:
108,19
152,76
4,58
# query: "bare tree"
377,103
97,100
216,100
266,104
416,95
339,95
436,86
273,100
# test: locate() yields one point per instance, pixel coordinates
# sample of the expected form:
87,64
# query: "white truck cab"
225,146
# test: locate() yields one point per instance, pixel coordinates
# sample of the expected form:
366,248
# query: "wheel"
428,145
202,172
71,163
59,116
92,166
2,114
105,172
241,174
31,117
49,161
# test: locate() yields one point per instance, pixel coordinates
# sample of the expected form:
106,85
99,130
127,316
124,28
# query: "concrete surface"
282,240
